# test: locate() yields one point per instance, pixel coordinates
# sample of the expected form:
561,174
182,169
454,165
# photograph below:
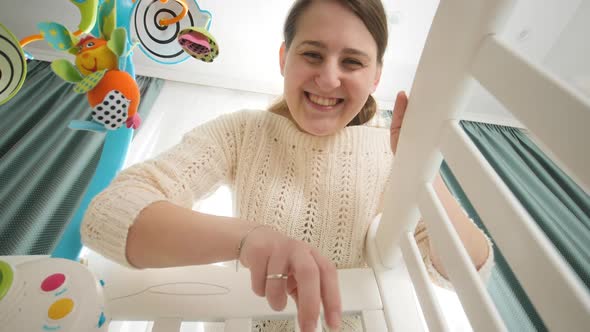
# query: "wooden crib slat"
477,303
115,326
400,305
555,114
167,325
238,325
373,320
124,326
423,285
318,327
555,290
439,92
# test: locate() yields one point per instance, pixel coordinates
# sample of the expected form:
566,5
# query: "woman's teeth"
323,101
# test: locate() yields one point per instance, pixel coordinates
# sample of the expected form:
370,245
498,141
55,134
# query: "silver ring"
277,276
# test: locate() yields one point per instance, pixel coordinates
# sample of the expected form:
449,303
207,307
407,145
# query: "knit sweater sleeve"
423,241
189,171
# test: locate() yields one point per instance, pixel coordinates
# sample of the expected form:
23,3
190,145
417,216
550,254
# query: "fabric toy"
13,65
112,93
198,43
94,54
156,25
14,69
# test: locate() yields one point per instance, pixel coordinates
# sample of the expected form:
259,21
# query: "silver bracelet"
242,241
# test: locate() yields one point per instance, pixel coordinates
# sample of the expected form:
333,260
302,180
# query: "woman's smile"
322,104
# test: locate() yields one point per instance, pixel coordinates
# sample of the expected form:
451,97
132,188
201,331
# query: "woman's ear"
282,57
377,78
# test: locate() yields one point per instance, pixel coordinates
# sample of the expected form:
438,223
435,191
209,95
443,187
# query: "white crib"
396,294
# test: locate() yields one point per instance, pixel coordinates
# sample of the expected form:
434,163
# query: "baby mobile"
168,32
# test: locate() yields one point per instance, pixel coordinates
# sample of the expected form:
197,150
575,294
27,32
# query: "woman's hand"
311,279
399,110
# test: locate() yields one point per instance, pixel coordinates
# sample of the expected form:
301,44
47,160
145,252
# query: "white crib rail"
463,45
440,89
546,277
554,113
215,294
476,301
423,284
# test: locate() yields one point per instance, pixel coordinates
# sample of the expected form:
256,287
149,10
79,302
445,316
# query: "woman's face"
330,68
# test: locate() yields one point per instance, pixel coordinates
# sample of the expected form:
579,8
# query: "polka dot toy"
116,91
112,112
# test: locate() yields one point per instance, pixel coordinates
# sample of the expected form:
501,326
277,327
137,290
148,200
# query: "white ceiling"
249,36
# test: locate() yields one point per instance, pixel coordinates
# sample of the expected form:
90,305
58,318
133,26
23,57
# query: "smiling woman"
331,69
307,178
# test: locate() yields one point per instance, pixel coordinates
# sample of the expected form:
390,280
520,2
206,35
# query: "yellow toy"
94,55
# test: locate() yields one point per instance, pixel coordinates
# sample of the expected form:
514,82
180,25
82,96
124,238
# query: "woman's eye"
353,62
312,55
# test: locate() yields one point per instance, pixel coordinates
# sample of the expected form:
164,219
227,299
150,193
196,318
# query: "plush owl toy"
113,94
94,54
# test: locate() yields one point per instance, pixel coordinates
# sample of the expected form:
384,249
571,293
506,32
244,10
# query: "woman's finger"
292,289
330,290
276,281
258,277
307,275
257,266
399,110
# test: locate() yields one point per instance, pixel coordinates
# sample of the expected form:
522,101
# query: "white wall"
570,55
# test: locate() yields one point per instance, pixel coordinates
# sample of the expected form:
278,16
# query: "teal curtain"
513,304
559,206
45,167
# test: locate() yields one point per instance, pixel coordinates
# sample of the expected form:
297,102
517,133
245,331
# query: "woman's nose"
328,77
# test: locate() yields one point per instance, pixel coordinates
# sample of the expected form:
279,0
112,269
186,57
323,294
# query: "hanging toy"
94,54
156,25
13,65
113,94
198,43
115,100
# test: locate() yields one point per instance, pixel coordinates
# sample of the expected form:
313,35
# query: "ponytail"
367,112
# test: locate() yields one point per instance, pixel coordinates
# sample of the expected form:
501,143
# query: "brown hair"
372,13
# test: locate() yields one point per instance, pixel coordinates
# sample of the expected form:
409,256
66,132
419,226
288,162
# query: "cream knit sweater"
321,190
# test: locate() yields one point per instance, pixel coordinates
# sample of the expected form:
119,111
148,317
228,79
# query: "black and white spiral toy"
160,42
13,66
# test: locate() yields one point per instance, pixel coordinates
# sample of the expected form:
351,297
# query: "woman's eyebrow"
319,44
354,51
312,43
